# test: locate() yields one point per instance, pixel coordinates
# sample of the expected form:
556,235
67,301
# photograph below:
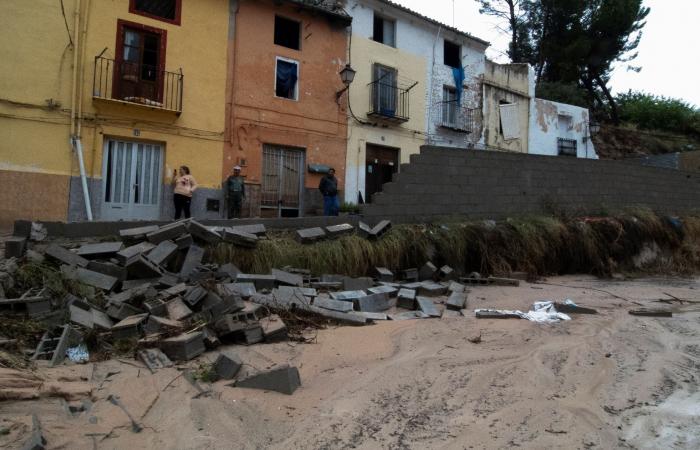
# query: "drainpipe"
75,143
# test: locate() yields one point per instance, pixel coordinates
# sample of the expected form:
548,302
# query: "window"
453,55
140,63
385,90
449,106
510,125
384,31
165,10
286,79
567,147
287,33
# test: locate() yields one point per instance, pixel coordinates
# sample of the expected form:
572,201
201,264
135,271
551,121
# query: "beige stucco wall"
408,136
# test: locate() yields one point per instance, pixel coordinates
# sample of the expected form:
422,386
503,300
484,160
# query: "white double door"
132,174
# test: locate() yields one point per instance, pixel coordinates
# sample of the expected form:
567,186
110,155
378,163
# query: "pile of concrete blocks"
363,300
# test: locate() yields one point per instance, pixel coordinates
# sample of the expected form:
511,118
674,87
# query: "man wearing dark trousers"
329,189
235,193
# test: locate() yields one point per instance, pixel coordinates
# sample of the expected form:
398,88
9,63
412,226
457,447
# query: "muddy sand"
610,380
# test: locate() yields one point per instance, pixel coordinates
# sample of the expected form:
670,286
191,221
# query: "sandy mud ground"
606,381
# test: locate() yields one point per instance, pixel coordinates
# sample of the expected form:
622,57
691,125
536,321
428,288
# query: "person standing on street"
329,189
235,193
184,186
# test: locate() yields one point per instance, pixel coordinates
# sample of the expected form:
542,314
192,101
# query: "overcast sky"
669,52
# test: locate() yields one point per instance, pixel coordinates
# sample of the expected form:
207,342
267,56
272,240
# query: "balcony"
457,118
137,84
389,102
567,147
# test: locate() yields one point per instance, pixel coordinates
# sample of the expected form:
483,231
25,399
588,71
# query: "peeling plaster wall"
441,75
546,127
512,83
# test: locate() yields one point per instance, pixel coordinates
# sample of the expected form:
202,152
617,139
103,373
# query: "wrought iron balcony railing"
128,82
567,147
457,118
388,102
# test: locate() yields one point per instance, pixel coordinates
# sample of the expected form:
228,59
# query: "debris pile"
153,294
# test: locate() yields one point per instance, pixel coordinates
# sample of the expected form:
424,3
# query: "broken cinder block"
284,379
104,250
309,235
227,366
154,359
184,347
162,253
240,238
339,230
373,303
60,254
15,247
427,272
427,306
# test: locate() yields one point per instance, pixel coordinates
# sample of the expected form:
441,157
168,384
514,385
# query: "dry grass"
536,245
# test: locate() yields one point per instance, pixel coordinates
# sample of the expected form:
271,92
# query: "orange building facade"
285,125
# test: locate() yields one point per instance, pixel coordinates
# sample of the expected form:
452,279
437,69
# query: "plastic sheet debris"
78,354
542,312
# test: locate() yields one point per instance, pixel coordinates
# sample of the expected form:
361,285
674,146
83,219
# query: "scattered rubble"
284,379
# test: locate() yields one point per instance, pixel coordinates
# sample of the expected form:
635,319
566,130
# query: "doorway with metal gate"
282,181
380,166
131,180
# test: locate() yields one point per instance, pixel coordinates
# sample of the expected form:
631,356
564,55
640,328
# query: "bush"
349,208
653,112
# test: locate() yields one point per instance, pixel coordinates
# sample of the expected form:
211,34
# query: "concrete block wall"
441,182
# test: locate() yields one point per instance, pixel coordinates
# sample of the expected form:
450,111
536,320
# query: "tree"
514,14
573,42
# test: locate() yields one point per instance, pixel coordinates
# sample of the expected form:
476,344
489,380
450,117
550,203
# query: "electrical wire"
65,21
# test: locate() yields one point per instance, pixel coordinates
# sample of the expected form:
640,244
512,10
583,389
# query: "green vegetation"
351,208
537,245
652,112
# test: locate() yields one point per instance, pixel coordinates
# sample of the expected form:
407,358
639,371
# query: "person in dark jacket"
329,189
235,193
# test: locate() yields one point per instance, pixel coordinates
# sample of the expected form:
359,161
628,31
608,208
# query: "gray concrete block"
457,301
287,279
427,306
364,230
273,328
177,310
406,299
100,250
128,253
194,295
387,290
373,303
108,268
163,253
193,259
154,359
229,270
340,230
240,238
129,327
357,284
15,247
167,233
245,290
456,287
122,311
184,241
257,229
309,235
284,379
184,347
431,289
60,254
227,365
96,279
384,274
260,281
447,273
381,228
409,315
334,305
203,233
371,315
131,235
427,272
348,295
410,275
142,268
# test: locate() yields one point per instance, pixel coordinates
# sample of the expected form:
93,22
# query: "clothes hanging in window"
286,79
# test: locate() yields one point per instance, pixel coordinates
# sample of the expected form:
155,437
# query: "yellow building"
140,85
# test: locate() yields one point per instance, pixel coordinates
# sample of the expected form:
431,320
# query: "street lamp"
594,127
347,75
